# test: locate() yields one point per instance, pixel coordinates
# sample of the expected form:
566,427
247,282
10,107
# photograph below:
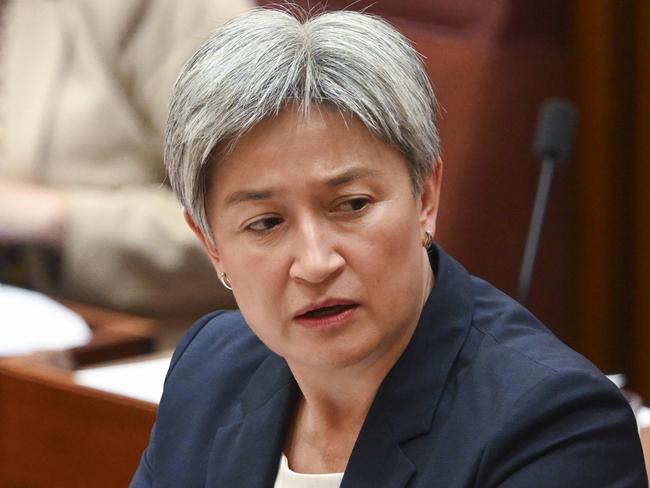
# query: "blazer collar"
248,453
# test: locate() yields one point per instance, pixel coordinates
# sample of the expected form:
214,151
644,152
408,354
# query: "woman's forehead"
320,142
320,147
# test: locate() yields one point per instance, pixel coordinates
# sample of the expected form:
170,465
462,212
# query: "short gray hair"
253,66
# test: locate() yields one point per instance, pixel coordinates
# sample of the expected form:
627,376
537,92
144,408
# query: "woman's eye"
354,204
265,224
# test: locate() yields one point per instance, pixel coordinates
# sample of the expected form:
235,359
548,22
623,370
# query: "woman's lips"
328,316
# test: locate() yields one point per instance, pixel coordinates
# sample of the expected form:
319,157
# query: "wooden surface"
642,195
115,335
611,72
55,433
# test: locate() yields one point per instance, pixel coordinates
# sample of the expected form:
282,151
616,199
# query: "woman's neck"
322,436
335,403
332,410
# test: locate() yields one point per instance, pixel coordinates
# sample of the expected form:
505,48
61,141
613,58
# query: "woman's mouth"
327,317
325,311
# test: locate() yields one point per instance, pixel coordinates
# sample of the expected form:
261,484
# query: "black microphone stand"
553,143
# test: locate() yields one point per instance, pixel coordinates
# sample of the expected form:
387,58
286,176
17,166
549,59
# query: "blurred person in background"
85,212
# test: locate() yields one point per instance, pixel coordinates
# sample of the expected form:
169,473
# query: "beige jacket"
85,85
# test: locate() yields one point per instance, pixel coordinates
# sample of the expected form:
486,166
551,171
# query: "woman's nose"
315,258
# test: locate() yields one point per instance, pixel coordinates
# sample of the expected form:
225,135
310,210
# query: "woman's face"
317,228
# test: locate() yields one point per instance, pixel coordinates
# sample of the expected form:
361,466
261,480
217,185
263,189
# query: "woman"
306,156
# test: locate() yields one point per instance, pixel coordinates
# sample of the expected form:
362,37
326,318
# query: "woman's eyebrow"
341,179
350,175
248,195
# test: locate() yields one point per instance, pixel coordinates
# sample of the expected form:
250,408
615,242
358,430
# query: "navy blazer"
483,396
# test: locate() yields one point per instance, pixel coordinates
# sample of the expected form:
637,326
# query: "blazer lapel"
377,461
248,453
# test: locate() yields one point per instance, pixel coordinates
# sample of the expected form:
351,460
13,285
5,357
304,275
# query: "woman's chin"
334,355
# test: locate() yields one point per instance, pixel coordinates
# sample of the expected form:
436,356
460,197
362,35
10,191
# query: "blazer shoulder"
189,336
221,336
509,351
209,370
572,428
557,420
511,328
213,362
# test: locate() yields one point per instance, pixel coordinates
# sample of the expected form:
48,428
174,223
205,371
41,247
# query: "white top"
290,479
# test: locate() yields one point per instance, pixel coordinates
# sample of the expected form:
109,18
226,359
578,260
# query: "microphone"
552,145
555,130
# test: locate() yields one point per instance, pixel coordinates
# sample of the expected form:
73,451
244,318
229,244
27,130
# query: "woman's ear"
430,198
210,248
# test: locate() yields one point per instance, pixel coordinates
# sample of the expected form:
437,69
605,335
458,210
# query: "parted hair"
255,65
